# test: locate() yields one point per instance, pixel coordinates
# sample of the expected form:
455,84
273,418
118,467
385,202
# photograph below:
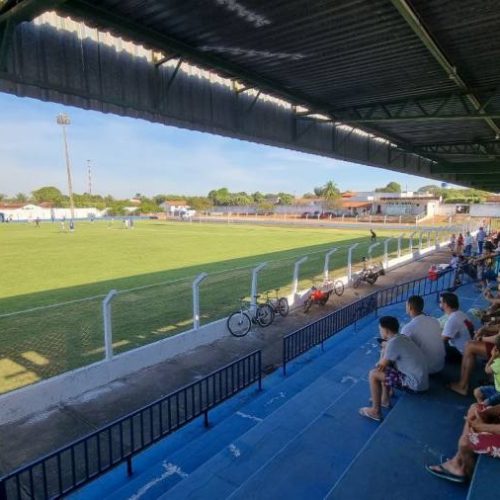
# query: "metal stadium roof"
423,74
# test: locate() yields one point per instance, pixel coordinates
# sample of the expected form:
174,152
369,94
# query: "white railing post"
411,242
349,261
255,272
400,239
436,239
386,252
196,299
108,324
327,261
420,235
385,219
400,219
295,283
370,248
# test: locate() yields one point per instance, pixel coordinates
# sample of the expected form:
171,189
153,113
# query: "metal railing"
316,333
82,461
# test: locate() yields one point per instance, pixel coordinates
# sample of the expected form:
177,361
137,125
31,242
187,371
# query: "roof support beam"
27,10
423,34
472,168
427,118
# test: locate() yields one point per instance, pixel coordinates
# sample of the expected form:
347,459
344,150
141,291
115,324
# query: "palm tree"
331,195
21,197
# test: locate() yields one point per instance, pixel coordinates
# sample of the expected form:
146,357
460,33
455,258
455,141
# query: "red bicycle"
321,295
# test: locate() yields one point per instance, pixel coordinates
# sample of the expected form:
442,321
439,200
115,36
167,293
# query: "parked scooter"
368,274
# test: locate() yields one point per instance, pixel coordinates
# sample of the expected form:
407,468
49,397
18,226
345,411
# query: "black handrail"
313,334
91,456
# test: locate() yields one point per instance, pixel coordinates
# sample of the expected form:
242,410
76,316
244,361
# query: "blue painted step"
420,430
151,464
483,485
227,470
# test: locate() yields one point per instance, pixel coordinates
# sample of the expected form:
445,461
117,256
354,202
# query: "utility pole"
89,172
63,120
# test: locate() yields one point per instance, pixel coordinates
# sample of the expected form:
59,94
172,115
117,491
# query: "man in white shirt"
425,331
458,329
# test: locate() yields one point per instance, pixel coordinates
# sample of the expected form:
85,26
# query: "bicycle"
240,322
279,305
321,295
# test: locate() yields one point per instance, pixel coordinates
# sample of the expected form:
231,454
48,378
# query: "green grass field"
47,329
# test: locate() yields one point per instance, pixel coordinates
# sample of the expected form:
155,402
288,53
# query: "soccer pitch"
53,283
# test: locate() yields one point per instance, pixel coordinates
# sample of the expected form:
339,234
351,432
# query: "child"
490,394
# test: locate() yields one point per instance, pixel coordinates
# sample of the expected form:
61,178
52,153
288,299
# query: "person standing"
468,240
480,237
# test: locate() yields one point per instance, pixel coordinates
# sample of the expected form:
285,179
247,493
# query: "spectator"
480,347
425,331
480,237
373,235
490,394
453,243
457,330
460,244
468,240
481,434
402,366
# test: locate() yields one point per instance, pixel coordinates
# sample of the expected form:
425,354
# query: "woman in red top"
460,244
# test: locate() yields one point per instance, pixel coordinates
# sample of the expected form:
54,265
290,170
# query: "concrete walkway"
26,440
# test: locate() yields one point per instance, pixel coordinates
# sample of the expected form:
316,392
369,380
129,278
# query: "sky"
131,156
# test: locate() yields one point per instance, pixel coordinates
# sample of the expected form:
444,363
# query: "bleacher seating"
301,437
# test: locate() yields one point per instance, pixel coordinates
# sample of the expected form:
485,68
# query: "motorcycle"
368,275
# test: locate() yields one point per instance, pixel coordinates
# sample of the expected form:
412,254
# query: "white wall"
485,210
32,212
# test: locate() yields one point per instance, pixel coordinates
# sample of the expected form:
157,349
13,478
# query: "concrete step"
193,445
420,430
335,396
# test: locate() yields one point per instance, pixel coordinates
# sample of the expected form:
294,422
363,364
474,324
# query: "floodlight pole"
63,120
349,261
108,324
327,261
196,299
255,272
295,283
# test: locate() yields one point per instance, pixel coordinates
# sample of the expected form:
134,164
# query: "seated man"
482,347
458,329
402,366
425,331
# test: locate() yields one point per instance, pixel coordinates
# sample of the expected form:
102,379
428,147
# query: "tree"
331,195
286,199
2,197
159,198
392,187
308,196
21,198
148,206
257,197
199,203
49,194
220,197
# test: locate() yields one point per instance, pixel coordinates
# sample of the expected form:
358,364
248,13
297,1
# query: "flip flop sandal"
442,473
364,413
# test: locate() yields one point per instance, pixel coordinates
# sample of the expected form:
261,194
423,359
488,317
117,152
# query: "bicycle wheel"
239,323
308,304
371,280
264,315
356,282
338,288
283,307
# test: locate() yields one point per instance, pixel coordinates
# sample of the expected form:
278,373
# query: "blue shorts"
490,394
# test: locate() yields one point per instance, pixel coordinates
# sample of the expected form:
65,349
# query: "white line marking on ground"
348,378
234,451
281,395
169,470
250,417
